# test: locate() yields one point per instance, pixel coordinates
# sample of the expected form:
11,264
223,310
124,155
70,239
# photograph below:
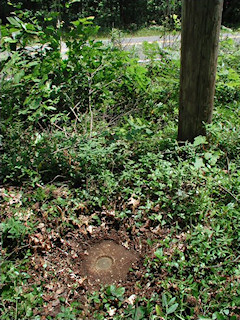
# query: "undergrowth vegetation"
93,131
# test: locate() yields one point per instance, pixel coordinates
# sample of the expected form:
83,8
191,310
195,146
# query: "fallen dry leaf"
112,311
134,202
60,291
90,229
131,299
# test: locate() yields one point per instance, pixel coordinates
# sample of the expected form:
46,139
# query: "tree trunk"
201,21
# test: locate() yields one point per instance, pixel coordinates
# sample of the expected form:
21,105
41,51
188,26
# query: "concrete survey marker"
107,262
104,263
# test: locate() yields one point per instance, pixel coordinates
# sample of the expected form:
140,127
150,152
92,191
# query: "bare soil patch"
107,263
73,265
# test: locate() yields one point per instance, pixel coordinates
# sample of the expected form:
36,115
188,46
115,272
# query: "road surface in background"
163,41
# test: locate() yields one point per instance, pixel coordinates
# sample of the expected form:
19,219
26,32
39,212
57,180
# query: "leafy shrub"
12,231
43,86
94,87
228,79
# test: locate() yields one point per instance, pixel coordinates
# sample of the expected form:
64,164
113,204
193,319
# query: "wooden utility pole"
201,21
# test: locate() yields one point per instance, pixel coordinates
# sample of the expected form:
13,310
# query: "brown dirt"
63,251
65,264
107,263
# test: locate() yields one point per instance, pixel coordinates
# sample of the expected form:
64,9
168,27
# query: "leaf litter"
57,252
60,245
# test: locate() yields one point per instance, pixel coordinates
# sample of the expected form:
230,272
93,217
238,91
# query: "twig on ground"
15,251
230,193
58,176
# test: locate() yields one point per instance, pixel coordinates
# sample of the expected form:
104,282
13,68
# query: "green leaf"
119,292
139,313
18,76
68,4
172,308
214,159
159,253
198,163
172,301
164,300
9,40
208,155
114,291
199,140
159,311
32,64
14,21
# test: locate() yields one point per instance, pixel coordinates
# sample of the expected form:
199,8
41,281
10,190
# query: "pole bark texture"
201,21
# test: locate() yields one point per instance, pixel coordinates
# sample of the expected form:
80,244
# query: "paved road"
167,39
163,41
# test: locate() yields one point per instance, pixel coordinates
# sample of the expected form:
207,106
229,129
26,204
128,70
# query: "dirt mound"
107,262
72,264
